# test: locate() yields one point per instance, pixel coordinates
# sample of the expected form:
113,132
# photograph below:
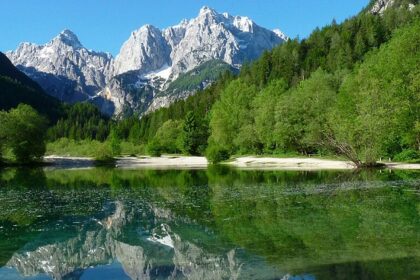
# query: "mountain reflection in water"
208,224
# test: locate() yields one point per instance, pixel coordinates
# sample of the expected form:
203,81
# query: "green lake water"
217,223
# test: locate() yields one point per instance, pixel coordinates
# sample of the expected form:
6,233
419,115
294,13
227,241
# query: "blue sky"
103,25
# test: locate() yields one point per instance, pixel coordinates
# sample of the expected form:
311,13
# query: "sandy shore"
290,163
402,166
307,164
162,162
250,162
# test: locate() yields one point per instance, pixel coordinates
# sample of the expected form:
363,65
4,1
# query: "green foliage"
301,113
200,103
169,136
3,134
81,121
379,104
407,155
132,149
216,154
194,135
304,97
23,131
154,148
114,143
199,77
264,108
105,152
168,139
90,148
334,47
70,147
231,121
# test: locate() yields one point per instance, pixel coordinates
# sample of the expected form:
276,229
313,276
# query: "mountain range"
141,77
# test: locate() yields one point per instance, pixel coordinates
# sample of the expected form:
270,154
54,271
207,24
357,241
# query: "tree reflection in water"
209,224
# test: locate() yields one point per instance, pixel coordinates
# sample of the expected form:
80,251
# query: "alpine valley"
142,77
217,149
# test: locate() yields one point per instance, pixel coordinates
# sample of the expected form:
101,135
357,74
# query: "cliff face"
381,5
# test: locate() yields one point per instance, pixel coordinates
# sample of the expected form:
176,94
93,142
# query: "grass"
66,147
129,148
90,148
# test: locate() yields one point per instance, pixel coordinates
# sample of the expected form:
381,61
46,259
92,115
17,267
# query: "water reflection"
212,224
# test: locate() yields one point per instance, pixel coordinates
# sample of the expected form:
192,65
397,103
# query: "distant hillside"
189,83
16,87
200,77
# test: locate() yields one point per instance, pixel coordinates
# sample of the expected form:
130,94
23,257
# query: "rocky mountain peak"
63,67
68,38
207,10
146,50
147,28
208,16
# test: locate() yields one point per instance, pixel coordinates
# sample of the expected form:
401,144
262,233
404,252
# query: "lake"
217,223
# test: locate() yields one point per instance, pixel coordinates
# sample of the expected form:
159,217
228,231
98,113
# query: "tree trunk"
343,149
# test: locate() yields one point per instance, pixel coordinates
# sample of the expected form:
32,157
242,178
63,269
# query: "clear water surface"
217,223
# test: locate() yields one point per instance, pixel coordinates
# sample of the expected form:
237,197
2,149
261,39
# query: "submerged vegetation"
329,224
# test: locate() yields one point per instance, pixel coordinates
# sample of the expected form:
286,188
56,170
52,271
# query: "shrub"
23,131
216,154
407,155
104,153
129,148
154,148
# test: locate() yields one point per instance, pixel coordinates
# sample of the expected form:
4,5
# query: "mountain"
17,88
192,42
63,67
148,62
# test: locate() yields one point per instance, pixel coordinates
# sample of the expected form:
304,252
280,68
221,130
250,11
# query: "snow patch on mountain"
164,72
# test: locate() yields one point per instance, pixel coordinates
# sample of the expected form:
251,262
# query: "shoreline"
195,162
271,163
163,162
